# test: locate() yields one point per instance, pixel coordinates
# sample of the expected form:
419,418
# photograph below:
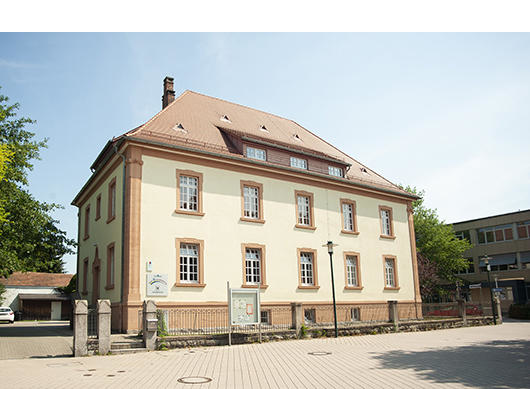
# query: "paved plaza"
475,357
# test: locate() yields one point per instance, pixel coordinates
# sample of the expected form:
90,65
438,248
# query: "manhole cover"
320,353
194,380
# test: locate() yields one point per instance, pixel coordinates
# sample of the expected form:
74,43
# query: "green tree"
5,158
2,291
29,237
440,252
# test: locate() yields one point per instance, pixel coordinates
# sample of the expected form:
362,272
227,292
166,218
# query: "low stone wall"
173,342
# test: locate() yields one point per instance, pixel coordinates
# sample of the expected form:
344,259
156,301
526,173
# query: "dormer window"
255,153
298,163
225,118
297,137
335,171
263,128
180,127
364,171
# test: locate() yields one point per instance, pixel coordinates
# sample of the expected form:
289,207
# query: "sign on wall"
157,285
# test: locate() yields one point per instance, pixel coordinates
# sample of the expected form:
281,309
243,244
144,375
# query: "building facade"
505,238
35,295
209,192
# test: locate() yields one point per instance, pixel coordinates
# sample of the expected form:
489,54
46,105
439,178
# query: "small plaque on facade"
157,285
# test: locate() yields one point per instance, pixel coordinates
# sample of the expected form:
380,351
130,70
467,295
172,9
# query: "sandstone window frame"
87,223
310,212
111,205
98,207
111,268
395,286
85,276
353,204
390,233
313,253
357,256
200,266
190,174
263,272
259,187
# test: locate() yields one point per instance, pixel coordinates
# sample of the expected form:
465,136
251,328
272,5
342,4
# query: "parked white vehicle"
7,314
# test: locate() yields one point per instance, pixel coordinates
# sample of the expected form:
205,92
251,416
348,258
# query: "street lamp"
330,246
486,260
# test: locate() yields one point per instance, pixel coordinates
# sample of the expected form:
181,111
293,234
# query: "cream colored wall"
223,233
102,234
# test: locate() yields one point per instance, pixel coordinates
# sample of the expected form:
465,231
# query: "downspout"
122,220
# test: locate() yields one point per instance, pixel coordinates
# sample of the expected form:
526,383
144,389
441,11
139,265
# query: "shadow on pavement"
44,330
480,365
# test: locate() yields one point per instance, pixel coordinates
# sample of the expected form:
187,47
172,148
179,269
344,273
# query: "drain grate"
319,353
193,380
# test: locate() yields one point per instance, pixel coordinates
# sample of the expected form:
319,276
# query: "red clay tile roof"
37,279
197,121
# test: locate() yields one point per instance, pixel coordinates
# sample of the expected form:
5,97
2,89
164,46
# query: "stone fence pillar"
150,325
462,311
80,328
104,326
297,316
393,313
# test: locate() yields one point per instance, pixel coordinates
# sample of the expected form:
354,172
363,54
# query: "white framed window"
253,266
251,202
304,210
306,269
189,263
347,214
335,171
386,221
255,153
298,163
352,268
390,272
189,193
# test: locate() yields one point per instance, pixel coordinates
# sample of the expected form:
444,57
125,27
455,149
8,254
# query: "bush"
519,311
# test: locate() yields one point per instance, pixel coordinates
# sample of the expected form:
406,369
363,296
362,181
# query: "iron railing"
92,322
322,315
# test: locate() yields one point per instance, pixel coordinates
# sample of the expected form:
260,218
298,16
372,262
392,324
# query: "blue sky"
447,113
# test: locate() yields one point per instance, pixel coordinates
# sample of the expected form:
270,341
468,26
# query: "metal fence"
92,322
198,321
322,315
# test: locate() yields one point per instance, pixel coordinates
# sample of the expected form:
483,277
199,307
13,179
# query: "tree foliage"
29,237
5,157
439,250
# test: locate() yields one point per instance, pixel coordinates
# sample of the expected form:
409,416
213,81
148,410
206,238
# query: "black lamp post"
330,246
486,260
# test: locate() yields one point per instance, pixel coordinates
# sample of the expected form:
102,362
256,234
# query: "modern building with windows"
505,238
208,192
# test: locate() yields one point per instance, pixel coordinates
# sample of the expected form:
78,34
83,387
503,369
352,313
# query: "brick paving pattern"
476,357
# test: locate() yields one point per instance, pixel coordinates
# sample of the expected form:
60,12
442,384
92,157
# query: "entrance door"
56,311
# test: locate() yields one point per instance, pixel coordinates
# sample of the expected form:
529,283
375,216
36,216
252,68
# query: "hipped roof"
198,121
37,279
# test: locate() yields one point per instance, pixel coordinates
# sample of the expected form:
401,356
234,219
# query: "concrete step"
128,351
123,343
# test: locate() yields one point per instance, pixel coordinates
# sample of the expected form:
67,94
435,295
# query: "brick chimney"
169,93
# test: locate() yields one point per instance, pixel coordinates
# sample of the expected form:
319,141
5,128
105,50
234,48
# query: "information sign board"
157,285
475,286
244,306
